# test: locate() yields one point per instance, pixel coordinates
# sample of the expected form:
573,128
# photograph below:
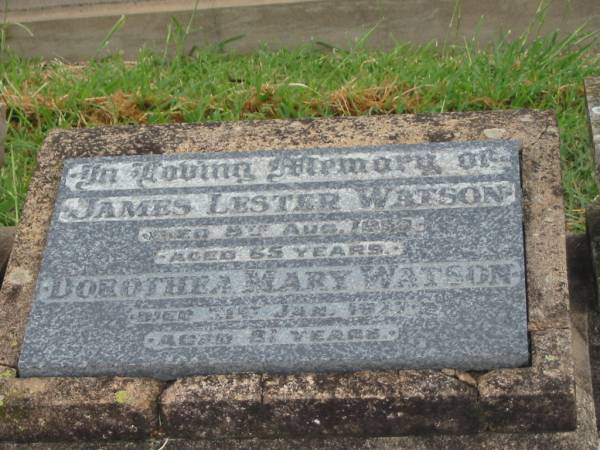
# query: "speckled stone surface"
540,397
337,259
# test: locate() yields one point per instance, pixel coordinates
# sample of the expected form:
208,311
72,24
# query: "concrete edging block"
537,398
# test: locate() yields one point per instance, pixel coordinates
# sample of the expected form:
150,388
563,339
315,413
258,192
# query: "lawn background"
213,84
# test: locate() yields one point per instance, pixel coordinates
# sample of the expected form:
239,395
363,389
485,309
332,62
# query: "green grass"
546,72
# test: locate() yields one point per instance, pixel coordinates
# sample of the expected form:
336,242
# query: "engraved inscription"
261,313
410,197
286,167
287,252
409,226
251,282
272,336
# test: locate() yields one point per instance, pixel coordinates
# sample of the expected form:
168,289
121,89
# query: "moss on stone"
121,397
8,373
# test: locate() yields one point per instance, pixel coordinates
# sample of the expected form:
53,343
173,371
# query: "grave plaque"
398,256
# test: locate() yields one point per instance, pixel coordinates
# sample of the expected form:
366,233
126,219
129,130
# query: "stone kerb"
540,397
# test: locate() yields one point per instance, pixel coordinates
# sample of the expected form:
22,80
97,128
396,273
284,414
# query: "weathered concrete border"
77,408
536,398
75,31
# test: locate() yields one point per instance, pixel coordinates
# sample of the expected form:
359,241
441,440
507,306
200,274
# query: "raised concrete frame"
539,398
